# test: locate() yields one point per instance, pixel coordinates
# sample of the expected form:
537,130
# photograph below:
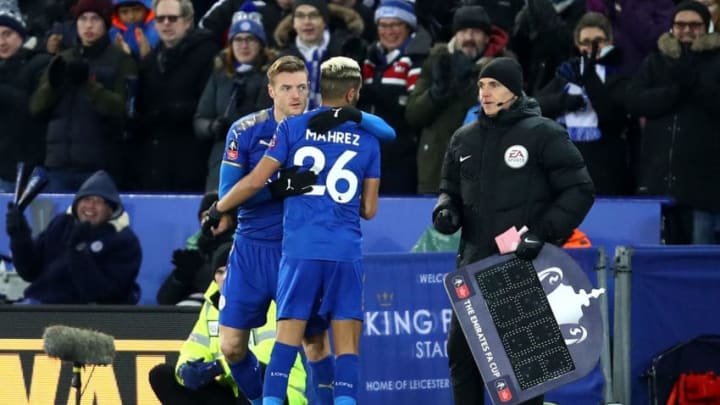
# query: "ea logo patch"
516,156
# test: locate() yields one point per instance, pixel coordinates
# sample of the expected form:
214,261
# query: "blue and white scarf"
314,56
582,125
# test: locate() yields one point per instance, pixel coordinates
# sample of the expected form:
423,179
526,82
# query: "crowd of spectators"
147,91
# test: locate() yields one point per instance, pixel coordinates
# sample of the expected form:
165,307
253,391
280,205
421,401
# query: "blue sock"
278,372
347,378
321,379
246,373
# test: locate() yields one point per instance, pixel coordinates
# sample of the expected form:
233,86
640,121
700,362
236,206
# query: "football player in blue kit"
321,267
254,261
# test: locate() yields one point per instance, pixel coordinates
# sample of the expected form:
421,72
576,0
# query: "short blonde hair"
285,64
337,75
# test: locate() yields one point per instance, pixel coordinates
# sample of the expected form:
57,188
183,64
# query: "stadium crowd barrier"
163,223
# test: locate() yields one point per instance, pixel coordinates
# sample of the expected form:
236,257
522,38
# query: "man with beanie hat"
83,94
21,138
446,87
676,89
87,254
509,168
11,17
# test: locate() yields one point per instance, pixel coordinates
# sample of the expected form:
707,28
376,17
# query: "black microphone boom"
80,346
502,103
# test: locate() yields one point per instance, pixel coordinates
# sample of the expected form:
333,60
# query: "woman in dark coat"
237,87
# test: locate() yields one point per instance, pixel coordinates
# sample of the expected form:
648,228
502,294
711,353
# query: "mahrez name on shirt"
347,138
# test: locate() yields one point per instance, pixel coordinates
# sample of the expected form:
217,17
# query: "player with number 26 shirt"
342,158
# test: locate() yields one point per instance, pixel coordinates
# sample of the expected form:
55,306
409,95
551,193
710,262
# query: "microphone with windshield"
82,347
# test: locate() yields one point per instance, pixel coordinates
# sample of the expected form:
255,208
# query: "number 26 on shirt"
337,172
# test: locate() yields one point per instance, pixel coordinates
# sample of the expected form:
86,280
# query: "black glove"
211,220
186,262
78,71
329,119
462,70
56,72
290,182
15,222
529,247
570,71
219,127
441,75
589,63
573,102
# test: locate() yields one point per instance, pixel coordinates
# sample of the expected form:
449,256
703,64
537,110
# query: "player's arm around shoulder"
369,199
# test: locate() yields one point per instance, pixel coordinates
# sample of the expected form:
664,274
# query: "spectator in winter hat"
87,254
236,88
83,93
390,71
447,87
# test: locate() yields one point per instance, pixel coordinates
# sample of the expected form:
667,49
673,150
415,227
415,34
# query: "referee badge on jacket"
516,156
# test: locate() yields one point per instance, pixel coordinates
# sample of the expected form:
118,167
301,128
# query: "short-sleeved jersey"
246,143
325,223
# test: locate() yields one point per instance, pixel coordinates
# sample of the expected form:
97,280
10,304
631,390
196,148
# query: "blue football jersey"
259,218
325,223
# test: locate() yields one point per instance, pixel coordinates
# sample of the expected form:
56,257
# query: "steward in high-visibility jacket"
204,344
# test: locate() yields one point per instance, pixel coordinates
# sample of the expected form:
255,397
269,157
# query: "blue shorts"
250,283
330,289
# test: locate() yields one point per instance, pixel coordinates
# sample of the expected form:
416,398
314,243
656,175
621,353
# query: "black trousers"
467,385
169,392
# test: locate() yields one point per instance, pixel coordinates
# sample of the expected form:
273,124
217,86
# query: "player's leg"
287,345
343,299
320,362
346,335
244,304
297,293
244,366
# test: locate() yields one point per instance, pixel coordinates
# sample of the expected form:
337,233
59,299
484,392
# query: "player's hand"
529,247
211,220
291,183
329,119
15,222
